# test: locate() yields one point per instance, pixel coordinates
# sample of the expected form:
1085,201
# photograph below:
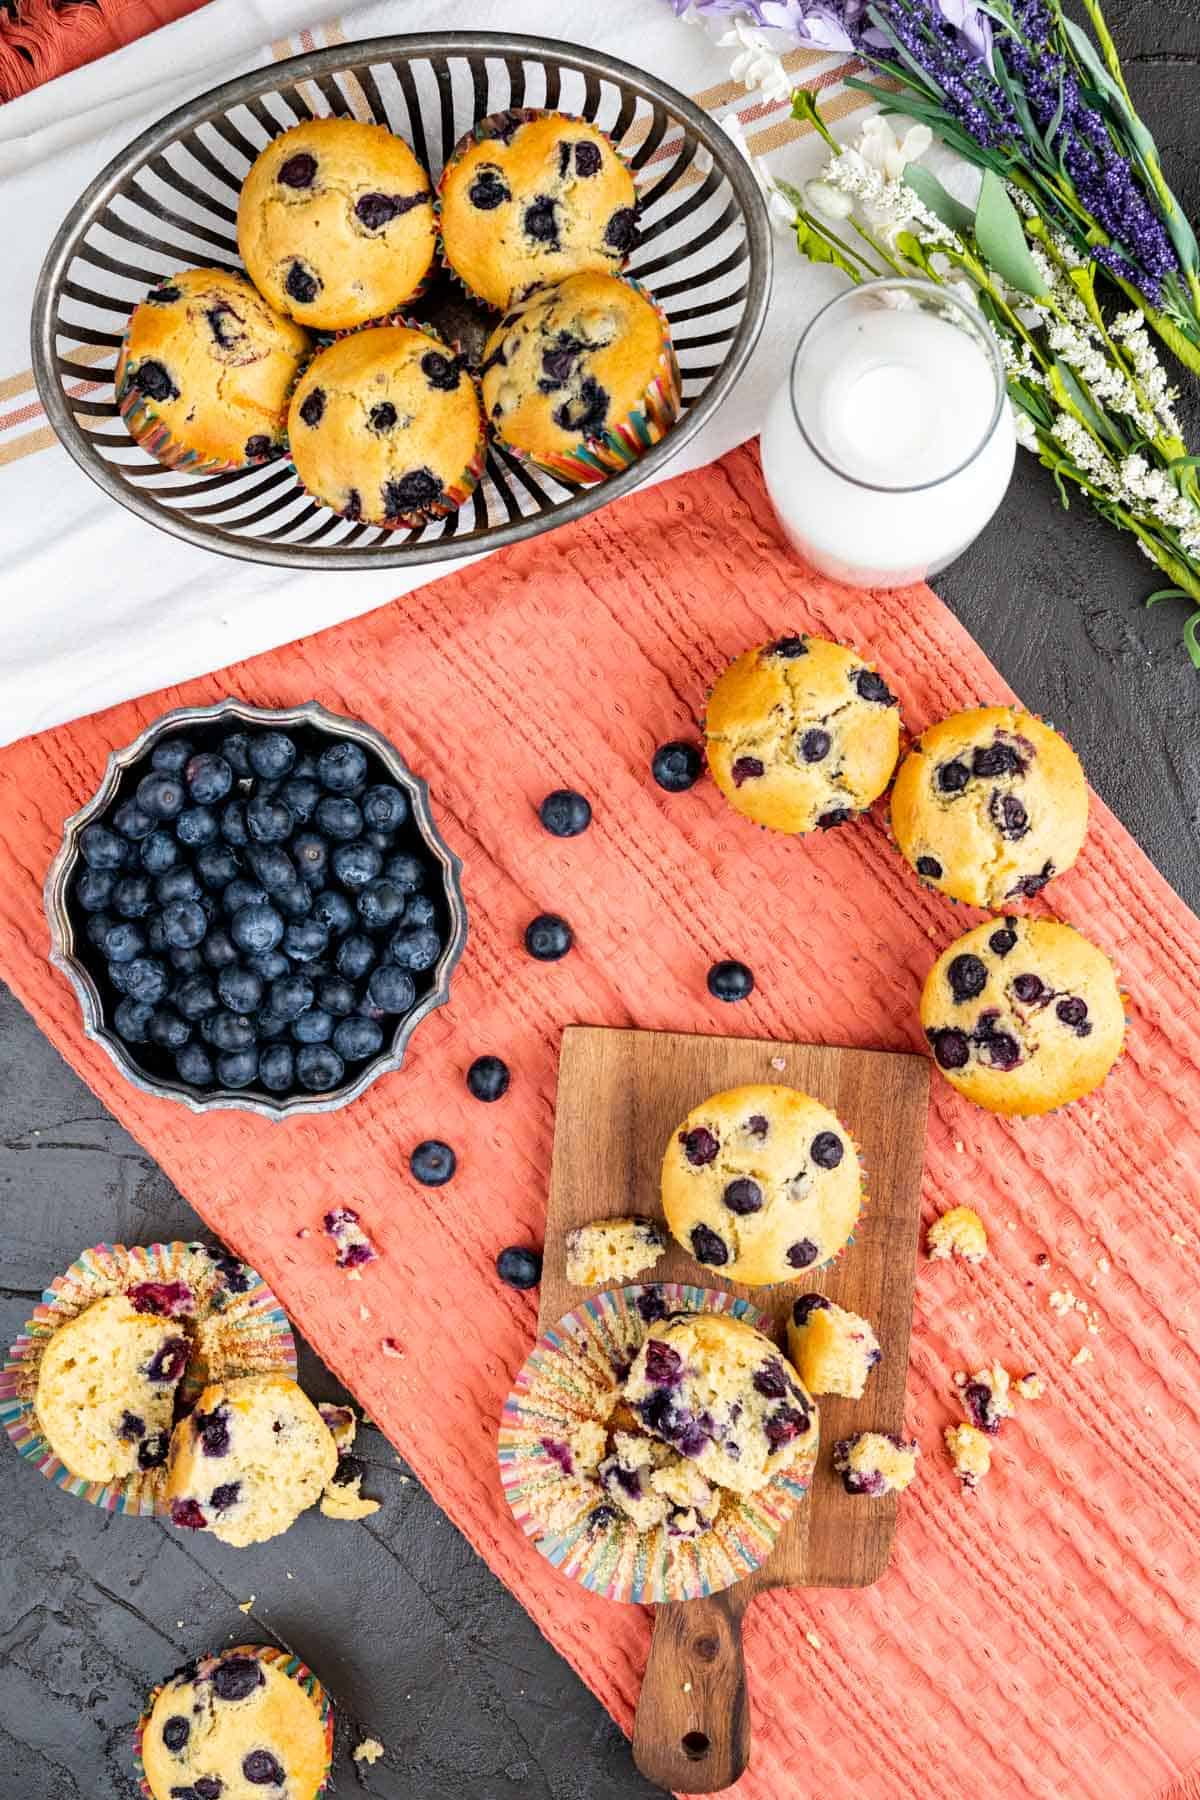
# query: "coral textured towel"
1039,1637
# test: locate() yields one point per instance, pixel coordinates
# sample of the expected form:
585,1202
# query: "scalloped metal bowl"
169,201
63,919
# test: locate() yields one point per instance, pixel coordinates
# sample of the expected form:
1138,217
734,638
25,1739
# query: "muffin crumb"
970,1454
1030,1387
369,1751
959,1232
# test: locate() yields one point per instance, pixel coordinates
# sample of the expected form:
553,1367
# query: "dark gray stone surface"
419,1644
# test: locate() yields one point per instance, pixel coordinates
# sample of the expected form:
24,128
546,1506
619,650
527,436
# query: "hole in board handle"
695,1745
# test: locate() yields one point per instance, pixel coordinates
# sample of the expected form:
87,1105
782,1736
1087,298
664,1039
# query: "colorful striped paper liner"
569,1379
267,1653
231,1334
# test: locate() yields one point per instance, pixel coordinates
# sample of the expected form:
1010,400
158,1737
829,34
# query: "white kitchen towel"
97,606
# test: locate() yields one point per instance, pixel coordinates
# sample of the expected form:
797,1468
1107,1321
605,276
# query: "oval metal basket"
169,201
69,955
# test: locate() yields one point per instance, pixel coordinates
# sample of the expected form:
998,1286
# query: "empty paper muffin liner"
570,1379
148,430
233,1321
267,1653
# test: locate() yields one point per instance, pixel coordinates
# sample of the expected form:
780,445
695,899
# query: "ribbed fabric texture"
1038,1638
40,39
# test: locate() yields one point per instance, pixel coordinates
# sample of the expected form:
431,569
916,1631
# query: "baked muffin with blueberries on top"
1023,1015
989,805
531,197
581,377
205,371
336,223
385,426
106,1386
802,733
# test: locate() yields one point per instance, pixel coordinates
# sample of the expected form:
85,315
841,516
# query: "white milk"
903,456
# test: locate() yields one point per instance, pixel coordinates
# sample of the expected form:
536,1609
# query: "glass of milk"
891,446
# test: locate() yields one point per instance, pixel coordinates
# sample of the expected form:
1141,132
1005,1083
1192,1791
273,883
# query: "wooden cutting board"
620,1096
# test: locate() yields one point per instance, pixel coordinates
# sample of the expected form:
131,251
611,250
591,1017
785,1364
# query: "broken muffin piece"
959,1232
613,1250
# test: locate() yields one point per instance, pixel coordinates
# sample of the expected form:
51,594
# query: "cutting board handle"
692,1732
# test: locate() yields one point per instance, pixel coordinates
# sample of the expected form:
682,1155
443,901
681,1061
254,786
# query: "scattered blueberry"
230,1031
519,1268
488,1078
159,852
305,940
384,807
334,911
380,903
236,750
420,910
433,1163
564,813
547,938
730,981
300,794
310,852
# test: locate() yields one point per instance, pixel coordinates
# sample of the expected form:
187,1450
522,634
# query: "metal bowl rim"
67,858
295,70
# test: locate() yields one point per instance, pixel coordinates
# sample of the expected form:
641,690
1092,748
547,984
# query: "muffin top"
989,805
761,1183
533,197
207,356
570,362
236,1726
336,223
1023,1015
802,733
385,426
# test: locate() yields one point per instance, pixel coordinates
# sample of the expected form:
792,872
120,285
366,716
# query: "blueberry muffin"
581,377
530,197
248,1461
205,371
970,1453
833,1350
959,1232
106,1389
385,427
989,805
717,1392
1023,1015
761,1183
875,1462
802,734
612,1250
653,1485
986,1397
336,223
236,1726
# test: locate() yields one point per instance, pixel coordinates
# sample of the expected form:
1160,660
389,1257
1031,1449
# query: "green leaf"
1190,640
804,107
818,249
1165,594
937,199
1001,239
1065,385
1184,462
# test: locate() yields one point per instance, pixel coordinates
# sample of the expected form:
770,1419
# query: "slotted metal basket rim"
339,59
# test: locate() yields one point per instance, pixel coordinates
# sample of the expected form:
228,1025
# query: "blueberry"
355,864
1002,941
237,1068
268,820
195,997
153,380
334,911
102,848
312,407
356,1039
342,768
952,777
168,1029
547,938
355,955
161,795
132,897
97,928
382,417
184,924
291,995
300,794
169,1360
488,1078
233,824
123,942
301,284
273,868
176,1732
518,1267
319,1068
339,816
261,1769
743,1196
930,867
588,159
152,1451
1028,988
815,745
236,750
94,888
951,1048
188,1516
1029,885
171,755
416,490
225,1496
159,852
156,938
310,853
827,1150
236,1677
230,1031
240,989
270,964
197,825
441,372
999,1047
272,755
996,759
336,996
708,1248
276,1068
218,948
433,1163
391,989
130,1021
241,893
384,807
1008,815
295,902
789,648
177,884
217,865
313,1027
305,940
807,1305
803,1254
380,903
256,928
209,778
269,1025
419,910
298,171
746,768
967,976
488,190
406,872
418,947
540,220
1072,1011
871,686
699,1146
132,821
621,234
730,981
837,815
564,813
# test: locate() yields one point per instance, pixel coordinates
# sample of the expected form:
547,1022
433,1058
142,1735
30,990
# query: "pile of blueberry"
258,909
